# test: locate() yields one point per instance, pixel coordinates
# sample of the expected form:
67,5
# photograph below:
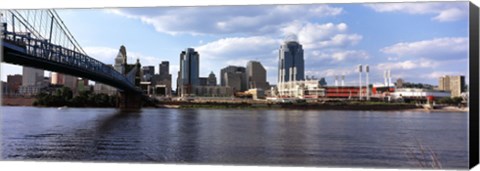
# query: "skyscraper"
290,62
121,60
189,71
148,72
163,81
164,70
256,75
236,72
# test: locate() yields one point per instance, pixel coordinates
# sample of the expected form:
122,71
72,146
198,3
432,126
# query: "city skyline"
335,39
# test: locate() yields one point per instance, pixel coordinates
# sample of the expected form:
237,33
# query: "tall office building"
234,80
189,71
444,83
32,81
32,76
290,62
164,70
163,80
236,72
256,75
454,84
121,60
211,80
148,72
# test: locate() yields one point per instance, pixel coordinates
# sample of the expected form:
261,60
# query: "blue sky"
418,41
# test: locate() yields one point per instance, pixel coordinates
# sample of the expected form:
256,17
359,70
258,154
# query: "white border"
32,4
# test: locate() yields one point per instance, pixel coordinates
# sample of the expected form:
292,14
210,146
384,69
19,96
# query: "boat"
62,108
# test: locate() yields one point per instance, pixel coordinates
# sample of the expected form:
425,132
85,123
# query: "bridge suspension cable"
41,24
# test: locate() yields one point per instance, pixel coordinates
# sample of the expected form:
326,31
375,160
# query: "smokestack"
360,81
343,80
367,70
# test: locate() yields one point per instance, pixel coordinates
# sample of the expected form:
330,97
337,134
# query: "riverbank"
294,106
361,106
17,101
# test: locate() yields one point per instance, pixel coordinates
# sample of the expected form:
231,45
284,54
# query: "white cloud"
313,35
439,48
443,11
339,56
438,74
103,54
408,64
225,20
451,15
237,47
107,55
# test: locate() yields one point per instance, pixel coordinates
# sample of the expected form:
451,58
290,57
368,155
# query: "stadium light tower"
360,81
367,70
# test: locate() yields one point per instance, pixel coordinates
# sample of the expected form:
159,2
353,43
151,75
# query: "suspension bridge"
40,39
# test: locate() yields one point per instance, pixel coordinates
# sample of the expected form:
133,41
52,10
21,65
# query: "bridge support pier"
129,100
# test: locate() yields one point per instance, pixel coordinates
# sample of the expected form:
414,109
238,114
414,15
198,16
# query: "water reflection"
260,137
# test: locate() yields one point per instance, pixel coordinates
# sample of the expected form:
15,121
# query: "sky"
418,42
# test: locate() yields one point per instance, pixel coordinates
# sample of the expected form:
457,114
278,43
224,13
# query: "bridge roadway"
22,49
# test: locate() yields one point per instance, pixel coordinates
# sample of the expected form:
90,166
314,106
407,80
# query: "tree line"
64,97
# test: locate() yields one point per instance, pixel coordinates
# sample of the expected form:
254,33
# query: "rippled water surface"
259,137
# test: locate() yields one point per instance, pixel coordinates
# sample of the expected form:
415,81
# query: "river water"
238,137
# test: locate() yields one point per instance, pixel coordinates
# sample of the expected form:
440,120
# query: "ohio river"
236,137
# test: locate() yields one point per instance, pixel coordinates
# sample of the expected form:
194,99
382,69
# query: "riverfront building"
148,72
235,77
256,76
189,72
163,81
13,84
291,65
418,93
454,84
32,81
212,79
299,89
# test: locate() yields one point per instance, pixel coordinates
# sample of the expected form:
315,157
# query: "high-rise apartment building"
256,76
189,71
290,62
454,84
